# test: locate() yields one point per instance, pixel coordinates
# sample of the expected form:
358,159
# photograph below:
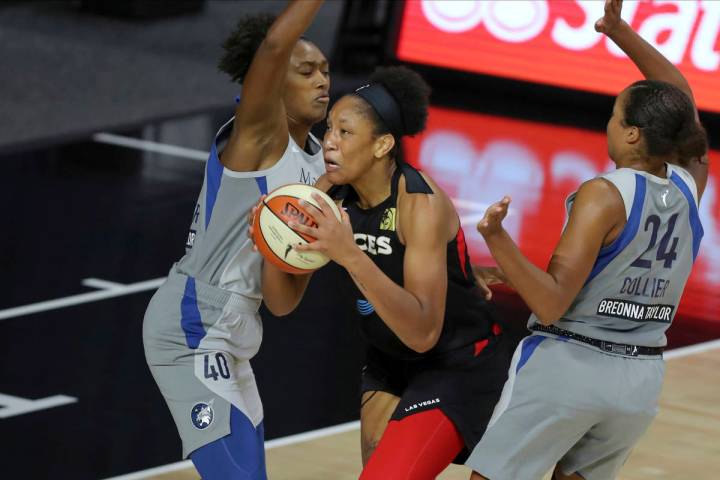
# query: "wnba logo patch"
365,307
202,415
387,222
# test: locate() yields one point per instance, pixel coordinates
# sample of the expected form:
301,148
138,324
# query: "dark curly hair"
243,42
410,92
666,117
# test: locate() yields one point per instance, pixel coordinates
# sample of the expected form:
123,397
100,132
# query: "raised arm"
597,212
654,66
261,129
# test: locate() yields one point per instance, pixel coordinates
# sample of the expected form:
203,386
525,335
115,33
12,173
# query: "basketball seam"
270,248
301,270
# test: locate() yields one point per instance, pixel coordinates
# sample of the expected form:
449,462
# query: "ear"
632,134
383,145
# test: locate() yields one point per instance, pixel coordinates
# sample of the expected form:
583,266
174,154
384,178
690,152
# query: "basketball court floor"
93,227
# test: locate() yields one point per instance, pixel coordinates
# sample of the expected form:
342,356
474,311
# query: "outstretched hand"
494,215
486,276
610,21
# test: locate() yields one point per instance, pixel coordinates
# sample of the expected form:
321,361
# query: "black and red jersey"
468,317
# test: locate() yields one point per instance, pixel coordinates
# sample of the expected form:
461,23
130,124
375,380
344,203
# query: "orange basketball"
275,239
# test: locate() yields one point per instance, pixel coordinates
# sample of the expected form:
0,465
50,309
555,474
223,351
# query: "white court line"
101,284
346,427
116,291
278,442
148,146
692,349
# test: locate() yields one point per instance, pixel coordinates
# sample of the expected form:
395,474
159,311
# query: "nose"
321,81
328,140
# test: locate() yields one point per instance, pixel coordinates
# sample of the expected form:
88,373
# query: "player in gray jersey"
202,326
584,387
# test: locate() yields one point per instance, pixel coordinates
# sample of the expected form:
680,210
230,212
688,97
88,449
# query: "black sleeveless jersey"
468,317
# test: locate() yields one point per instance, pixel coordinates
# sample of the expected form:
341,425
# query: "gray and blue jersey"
202,326
218,250
633,291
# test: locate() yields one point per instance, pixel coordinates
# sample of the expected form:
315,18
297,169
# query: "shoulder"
427,215
599,202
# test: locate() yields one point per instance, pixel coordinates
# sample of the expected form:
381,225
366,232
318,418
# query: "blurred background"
107,111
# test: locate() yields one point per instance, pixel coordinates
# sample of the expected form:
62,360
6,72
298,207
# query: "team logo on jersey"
372,244
387,222
202,415
307,177
364,307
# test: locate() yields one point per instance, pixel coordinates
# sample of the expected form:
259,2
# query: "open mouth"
331,166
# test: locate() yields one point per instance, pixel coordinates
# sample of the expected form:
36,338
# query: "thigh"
602,451
377,407
418,447
237,456
535,422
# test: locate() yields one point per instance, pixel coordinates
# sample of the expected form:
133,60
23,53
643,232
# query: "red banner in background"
554,42
477,159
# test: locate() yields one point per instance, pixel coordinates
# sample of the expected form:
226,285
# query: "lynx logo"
307,177
373,245
190,239
202,415
388,219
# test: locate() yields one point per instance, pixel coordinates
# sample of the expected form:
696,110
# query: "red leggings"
417,447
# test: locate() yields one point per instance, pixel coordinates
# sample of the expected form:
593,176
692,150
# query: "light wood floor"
683,443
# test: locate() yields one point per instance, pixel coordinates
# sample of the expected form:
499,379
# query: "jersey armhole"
688,178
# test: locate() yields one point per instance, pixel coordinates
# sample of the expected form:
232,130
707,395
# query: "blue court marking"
695,224
214,177
608,254
262,185
190,318
237,456
528,347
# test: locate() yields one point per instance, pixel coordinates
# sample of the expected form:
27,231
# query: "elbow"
547,320
278,309
550,314
425,343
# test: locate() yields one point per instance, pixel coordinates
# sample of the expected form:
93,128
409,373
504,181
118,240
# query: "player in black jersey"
436,359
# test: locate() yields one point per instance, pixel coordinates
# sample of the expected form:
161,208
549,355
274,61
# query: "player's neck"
375,185
299,133
642,164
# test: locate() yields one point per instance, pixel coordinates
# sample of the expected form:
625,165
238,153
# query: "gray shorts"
570,404
198,342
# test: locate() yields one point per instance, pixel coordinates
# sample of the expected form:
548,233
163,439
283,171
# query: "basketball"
275,239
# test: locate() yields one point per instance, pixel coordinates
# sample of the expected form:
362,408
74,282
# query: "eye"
343,131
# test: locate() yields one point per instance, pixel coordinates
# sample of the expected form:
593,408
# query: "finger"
311,209
487,293
308,247
322,203
300,228
344,217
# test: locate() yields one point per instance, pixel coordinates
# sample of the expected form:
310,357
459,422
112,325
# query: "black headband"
384,105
